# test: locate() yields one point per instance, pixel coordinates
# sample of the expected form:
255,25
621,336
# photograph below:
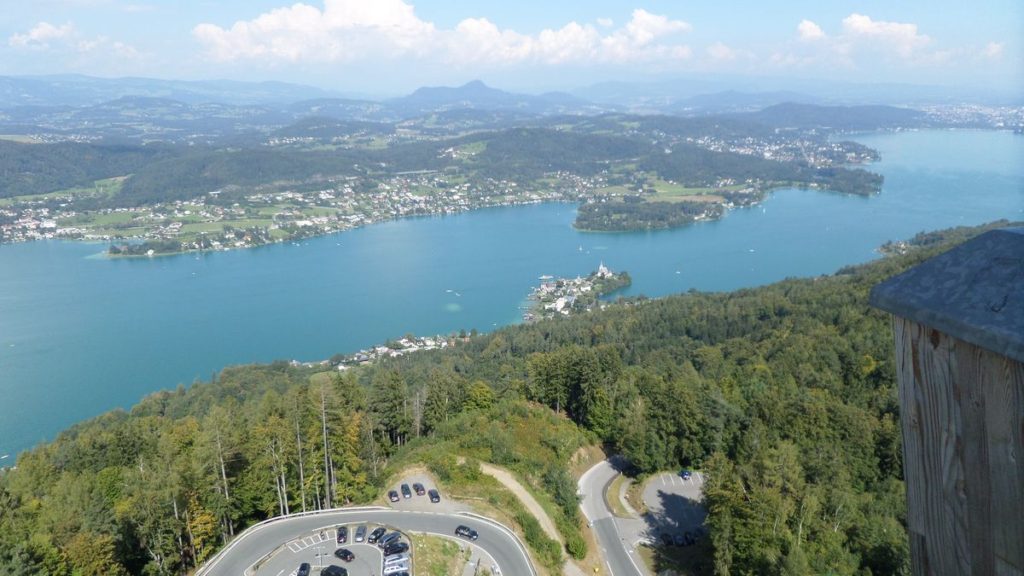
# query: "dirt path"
509,481
533,507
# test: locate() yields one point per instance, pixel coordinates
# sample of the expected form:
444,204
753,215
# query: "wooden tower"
958,321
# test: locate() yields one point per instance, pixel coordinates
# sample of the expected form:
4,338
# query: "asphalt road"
619,555
260,540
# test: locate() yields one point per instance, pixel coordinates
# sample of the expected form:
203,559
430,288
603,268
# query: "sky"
393,46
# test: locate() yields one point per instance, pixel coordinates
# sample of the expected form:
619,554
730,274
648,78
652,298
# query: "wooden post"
958,322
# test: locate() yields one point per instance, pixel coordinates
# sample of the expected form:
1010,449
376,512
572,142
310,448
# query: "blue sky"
392,46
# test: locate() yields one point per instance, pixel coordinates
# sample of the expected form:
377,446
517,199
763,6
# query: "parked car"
395,559
686,474
361,533
345,554
396,548
393,496
342,534
376,534
333,570
466,532
406,493
396,568
303,570
418,489
435,496
389,539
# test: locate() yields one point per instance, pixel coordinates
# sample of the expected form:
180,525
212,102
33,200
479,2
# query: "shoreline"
577,203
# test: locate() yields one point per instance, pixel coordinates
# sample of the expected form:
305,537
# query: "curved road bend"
619,555
260,540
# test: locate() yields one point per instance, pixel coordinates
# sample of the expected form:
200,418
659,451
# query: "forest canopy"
784,395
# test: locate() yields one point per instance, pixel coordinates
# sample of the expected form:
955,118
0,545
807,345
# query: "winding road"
619,555
260,540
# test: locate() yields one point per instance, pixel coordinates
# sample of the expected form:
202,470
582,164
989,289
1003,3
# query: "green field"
20,139
436,556
616,190
105,188
472,148
672,192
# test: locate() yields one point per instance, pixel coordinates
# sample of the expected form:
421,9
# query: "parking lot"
422,503
673,507
317,549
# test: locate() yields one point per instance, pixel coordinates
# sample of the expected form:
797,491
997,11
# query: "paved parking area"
423,503
673,504
317,549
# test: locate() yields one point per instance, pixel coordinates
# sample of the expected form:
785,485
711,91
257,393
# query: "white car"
396,559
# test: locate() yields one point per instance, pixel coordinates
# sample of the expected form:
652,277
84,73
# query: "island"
565,296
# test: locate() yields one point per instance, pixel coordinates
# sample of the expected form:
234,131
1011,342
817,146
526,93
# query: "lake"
81,334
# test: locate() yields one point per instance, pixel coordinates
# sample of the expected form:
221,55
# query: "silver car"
395,568
396,559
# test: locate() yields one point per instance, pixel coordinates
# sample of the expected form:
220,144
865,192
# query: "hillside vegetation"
783,394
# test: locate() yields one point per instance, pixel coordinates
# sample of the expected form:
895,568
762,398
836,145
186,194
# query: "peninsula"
565,296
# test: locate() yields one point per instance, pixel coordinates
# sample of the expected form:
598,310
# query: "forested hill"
784,395
854,118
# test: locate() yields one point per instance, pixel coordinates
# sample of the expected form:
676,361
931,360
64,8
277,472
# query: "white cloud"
605,22
863,41
645,27
346,30
721,53
809,31
66,38
993,50
40,36
903,37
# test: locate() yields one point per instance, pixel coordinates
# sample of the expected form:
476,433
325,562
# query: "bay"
81,334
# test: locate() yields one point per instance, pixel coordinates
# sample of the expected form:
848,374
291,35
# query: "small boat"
581,248
5,456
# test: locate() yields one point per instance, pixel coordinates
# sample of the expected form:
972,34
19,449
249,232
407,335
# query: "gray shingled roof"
974,292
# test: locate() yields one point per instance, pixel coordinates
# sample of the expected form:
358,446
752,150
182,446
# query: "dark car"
342,534
345,554
389,539
303,570
333,570
361,533
435,496
393,496
418,489
376,534
466,532
406,493
686,474
396,548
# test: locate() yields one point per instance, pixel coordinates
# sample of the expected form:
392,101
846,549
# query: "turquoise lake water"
81,334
